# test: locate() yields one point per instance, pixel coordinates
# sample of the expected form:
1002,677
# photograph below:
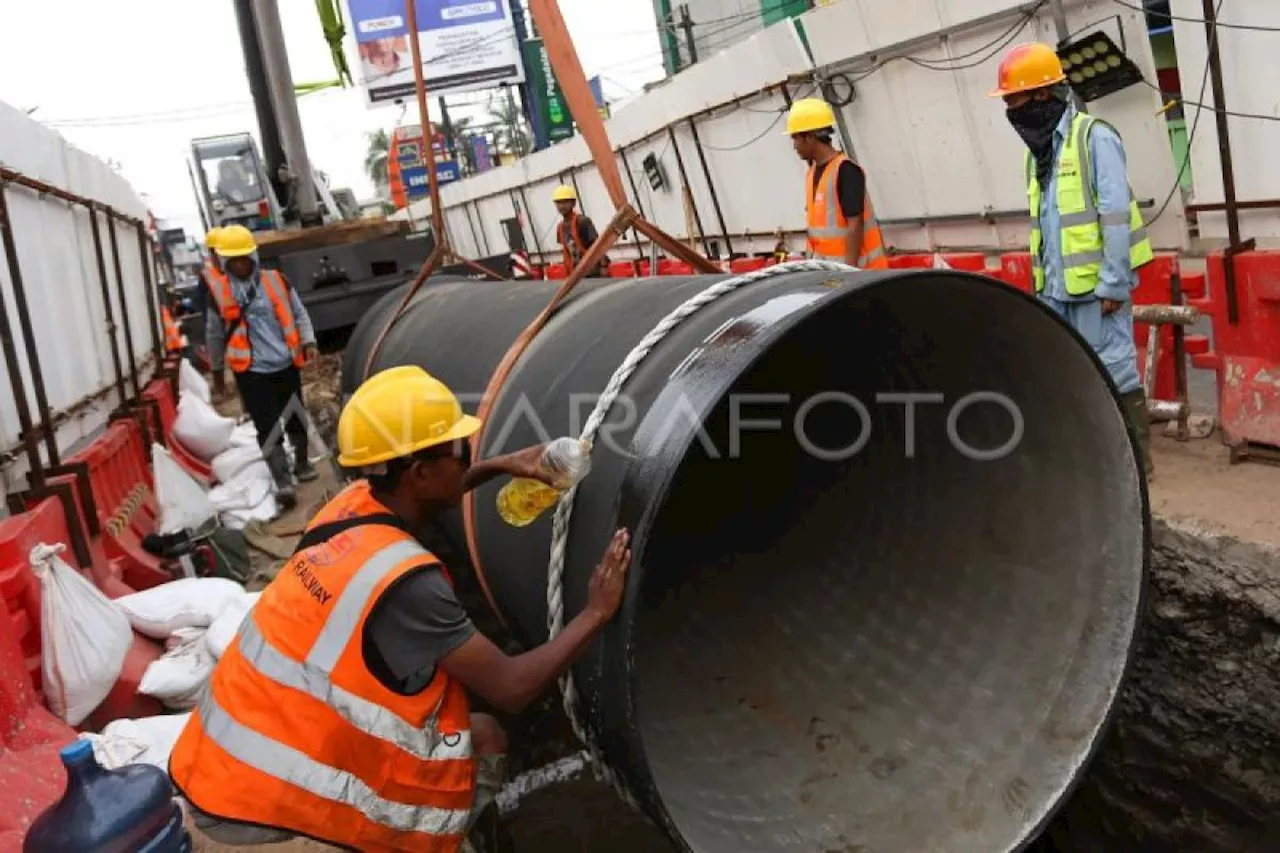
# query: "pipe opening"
890,652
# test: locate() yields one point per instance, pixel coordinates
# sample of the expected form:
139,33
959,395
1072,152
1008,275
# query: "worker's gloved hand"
1111,306
310,353
604,593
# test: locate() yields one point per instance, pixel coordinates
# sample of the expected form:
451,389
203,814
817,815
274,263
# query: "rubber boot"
1135,408
278,462
302,467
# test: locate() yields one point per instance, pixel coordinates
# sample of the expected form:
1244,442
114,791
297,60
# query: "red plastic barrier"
966,261
557,271
622,269
1246,355
738,266
122,491
20,590
667,266
1153,289
31,774
910,262
1015,268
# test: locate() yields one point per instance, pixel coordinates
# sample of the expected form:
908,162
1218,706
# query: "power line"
1166,16
1178,97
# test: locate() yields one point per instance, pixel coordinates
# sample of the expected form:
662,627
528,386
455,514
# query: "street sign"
548,99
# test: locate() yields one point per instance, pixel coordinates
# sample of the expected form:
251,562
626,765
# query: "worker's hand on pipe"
604,593
310,353
1111,306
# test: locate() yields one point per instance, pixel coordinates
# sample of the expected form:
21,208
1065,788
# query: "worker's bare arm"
522,463
511,683
853,243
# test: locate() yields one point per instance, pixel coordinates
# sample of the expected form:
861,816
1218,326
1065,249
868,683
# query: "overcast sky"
136,81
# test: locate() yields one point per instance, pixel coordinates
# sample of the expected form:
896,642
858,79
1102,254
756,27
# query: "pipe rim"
647,495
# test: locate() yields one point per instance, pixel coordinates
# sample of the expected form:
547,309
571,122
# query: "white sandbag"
200,428
146,740
187,603
245,490
183,502
190,380
178,677
85,636
235,459
238,519
224,628
245,435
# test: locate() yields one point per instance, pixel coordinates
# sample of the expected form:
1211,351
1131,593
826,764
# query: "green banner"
548,99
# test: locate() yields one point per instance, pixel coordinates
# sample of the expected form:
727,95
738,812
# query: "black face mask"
1035,122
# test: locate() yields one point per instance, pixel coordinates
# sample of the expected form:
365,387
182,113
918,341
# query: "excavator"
339,262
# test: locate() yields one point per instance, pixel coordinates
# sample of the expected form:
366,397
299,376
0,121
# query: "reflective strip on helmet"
369,717
292,767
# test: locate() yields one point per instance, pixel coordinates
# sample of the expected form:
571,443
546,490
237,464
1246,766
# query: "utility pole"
686,24
275,61
268,130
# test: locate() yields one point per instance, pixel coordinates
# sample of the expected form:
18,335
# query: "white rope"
564,509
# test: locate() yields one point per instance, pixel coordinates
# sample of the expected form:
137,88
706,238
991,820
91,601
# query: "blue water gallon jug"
130,810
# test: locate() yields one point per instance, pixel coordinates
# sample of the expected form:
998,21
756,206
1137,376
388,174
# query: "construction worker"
1087,235
842,225
174,341
575,232
261,330
212,274
340,710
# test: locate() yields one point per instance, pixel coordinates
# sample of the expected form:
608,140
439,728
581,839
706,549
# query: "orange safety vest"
213,276
172,331
828,225
566,231
294,732
239,354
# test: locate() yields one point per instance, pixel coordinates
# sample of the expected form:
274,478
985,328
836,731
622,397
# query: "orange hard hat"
1028,67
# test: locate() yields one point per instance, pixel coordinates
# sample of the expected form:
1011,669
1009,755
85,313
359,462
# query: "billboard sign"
597,95
548,99
466,45
417,186
480,155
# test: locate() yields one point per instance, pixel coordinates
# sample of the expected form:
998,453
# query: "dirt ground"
1213,618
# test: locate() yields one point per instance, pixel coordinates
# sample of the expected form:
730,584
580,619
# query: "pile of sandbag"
196,618
244,490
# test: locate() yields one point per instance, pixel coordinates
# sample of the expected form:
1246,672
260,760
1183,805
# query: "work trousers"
268,398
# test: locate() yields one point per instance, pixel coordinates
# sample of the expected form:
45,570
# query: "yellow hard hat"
398,412
564,192
809,114
235,241
211,237
1028,67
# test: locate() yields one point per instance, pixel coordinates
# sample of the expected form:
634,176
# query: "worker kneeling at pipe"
340,712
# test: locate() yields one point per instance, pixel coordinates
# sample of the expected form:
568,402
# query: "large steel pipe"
909,644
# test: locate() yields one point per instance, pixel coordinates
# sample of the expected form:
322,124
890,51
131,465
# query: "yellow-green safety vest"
1082,224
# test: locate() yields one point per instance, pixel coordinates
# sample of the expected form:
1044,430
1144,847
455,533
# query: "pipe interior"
889,653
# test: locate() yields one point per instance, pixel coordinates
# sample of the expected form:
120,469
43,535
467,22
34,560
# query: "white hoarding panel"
465,45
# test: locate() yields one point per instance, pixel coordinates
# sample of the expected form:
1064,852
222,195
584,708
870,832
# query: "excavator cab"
231,183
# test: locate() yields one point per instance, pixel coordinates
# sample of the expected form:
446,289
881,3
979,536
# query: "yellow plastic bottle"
523,499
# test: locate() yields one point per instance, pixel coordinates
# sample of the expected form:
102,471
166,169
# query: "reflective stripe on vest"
239,351
366,768
573,234
1081,238
828,226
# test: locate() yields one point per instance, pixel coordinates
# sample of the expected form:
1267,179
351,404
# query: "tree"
510,135
375,158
